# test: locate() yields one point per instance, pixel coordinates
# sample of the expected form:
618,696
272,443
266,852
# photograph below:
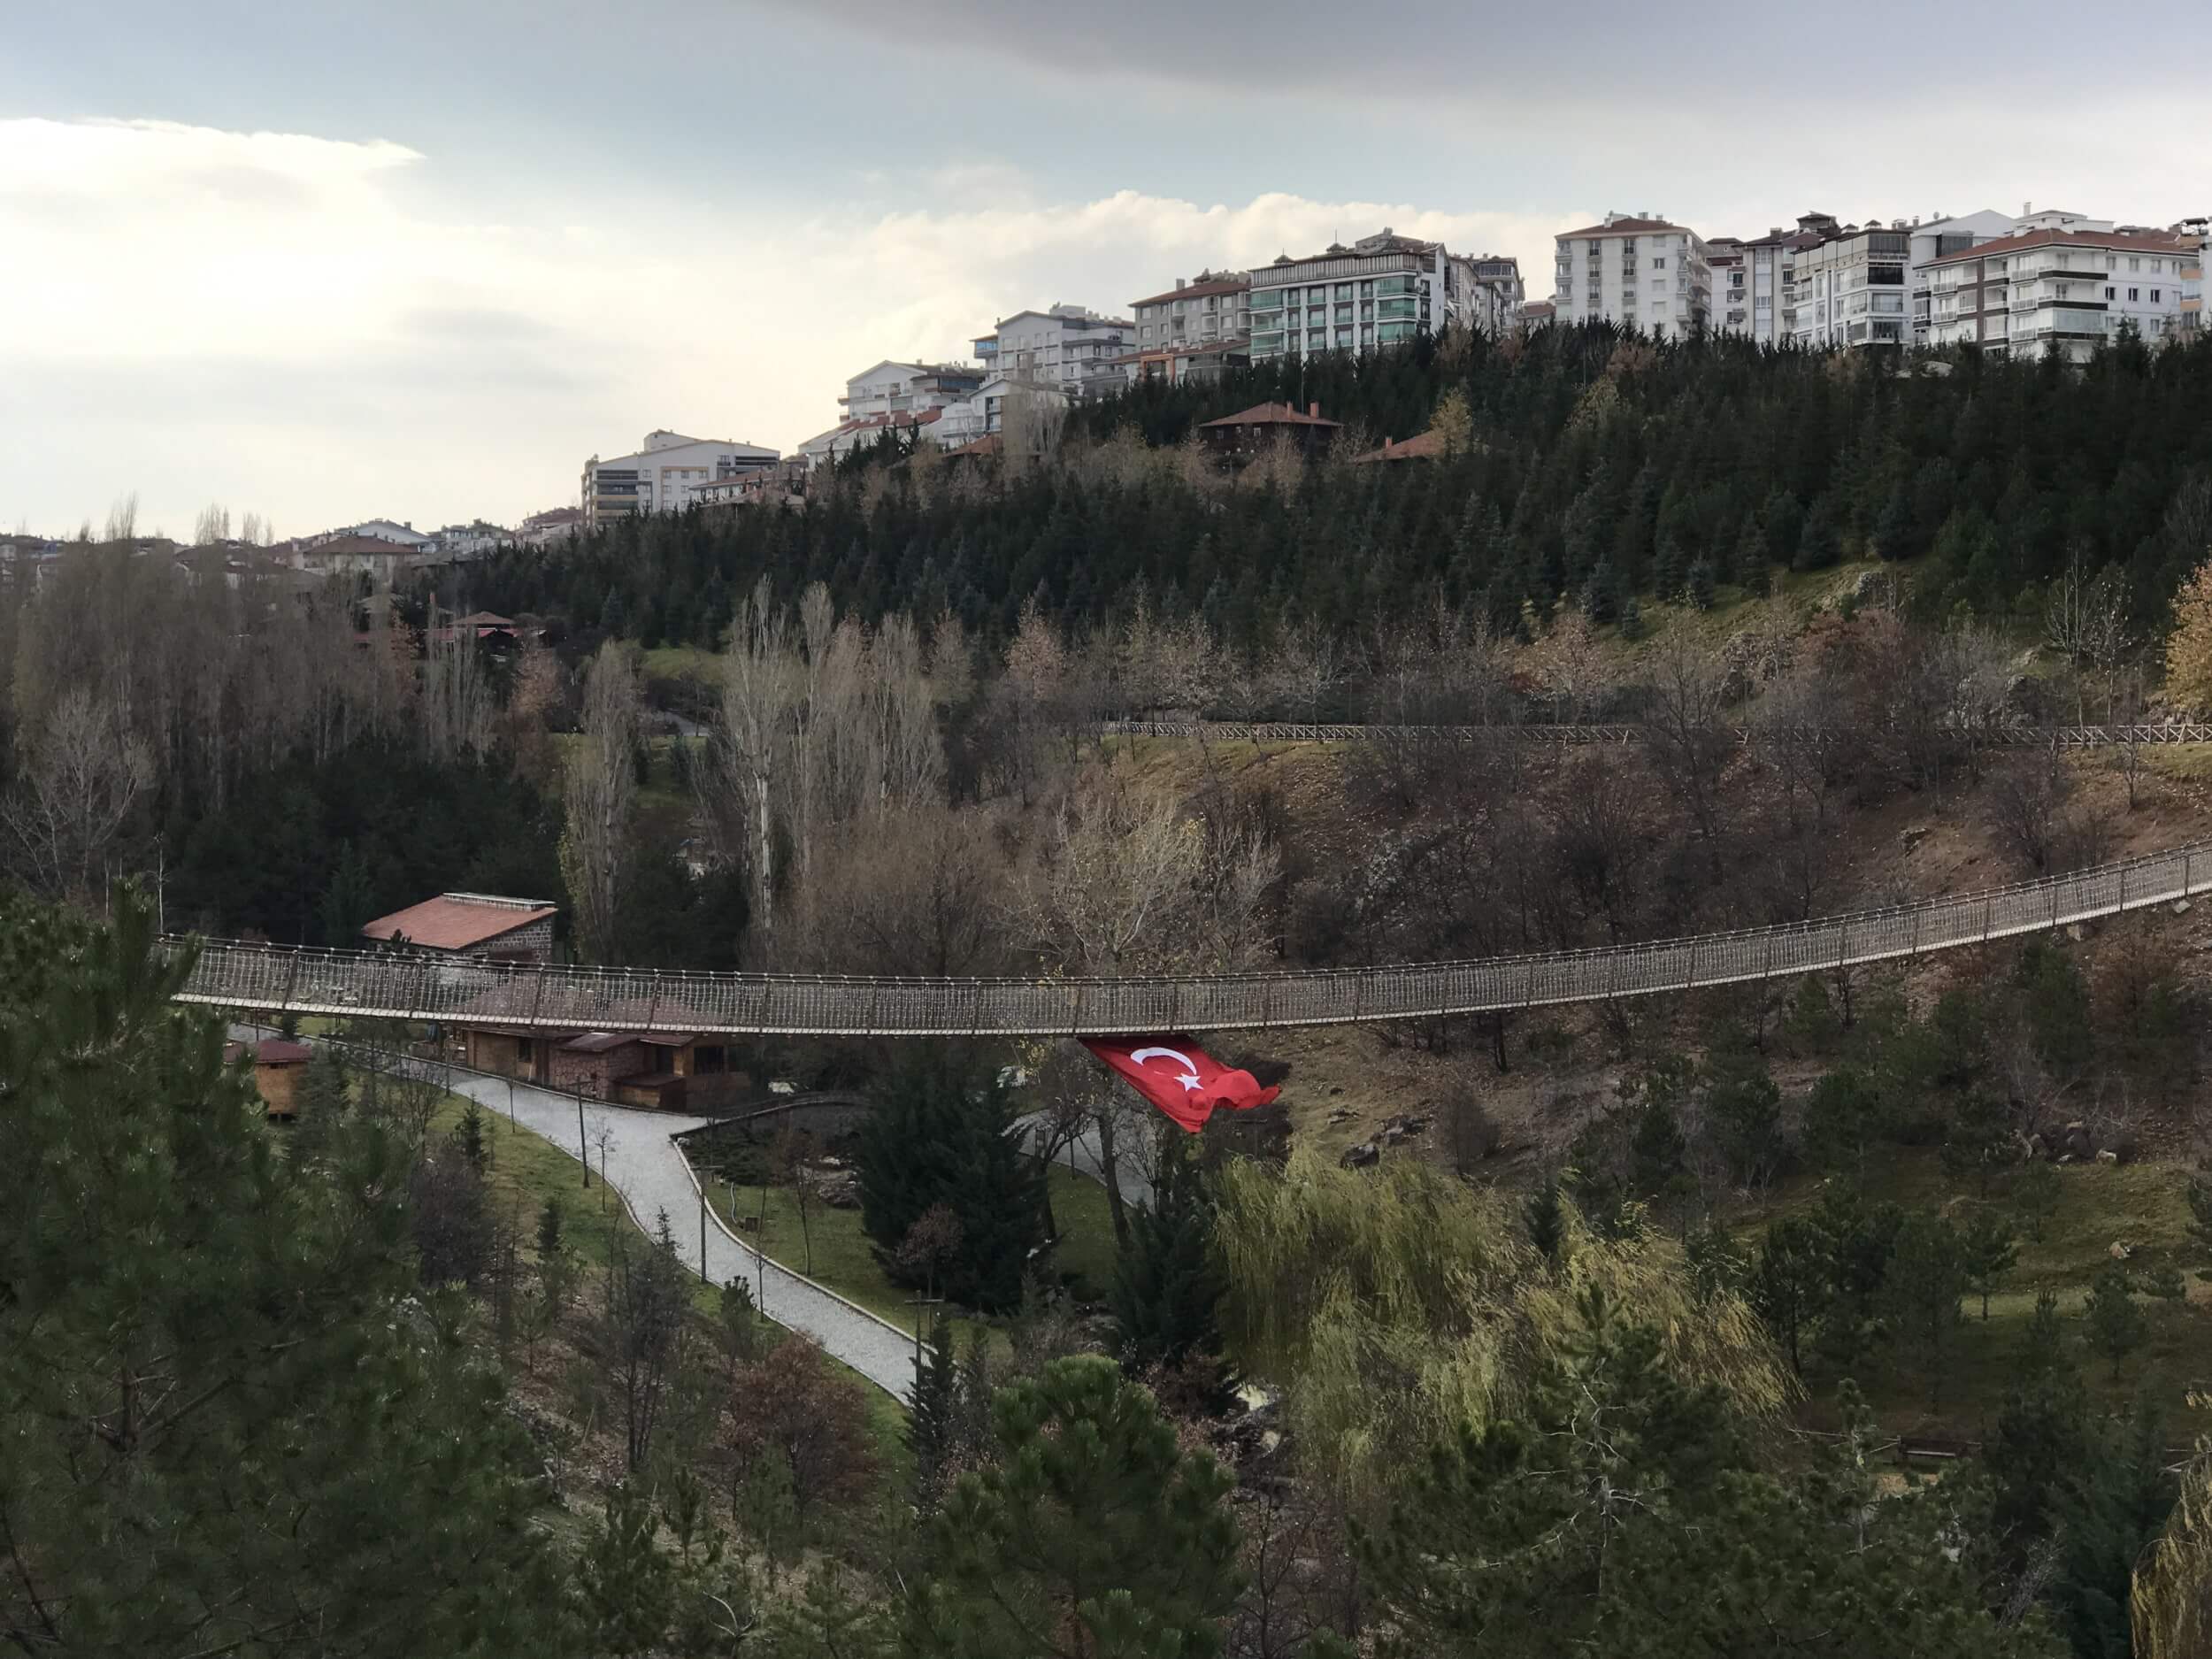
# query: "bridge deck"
461,992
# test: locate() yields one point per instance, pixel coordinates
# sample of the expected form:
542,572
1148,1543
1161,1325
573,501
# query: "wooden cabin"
279,1065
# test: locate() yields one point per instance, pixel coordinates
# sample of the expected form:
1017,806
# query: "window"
2135,293
2112,293
1658,265
2135,264
2154,294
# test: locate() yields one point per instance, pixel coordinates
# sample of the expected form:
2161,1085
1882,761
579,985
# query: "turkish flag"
1179,1078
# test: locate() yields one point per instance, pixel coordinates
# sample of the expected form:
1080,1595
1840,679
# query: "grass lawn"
2138,1205
677,661
843,1258
526,1170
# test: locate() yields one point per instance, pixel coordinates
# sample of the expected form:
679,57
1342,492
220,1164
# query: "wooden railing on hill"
1994,736
278,980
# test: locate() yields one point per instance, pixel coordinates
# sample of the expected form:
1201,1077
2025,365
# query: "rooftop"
1427,447
1621,226
454,921
1273,415
2125,241
1198,290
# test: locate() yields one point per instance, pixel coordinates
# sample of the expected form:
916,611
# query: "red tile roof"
1272,415
1622,227
455,922
1427,447
2117,241
1197,291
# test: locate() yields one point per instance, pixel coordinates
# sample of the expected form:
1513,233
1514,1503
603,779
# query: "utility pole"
583,1147
702,1233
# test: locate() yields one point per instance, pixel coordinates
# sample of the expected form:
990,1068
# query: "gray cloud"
1789,61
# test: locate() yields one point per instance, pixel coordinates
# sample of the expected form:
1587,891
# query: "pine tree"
227,1422
1701,584
1990,1252
2117,1325
932,1430
1546,1219
1091,1533
1167,1285
939,1135
1926,1277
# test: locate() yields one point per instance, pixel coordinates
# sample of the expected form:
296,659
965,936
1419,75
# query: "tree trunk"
1110,1166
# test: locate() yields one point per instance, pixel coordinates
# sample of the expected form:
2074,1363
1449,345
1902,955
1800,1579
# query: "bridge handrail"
414,985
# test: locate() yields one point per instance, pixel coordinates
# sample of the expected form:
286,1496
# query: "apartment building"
1496,294
661,476
1637,270
1849,286
1934,237
2061,286
1381,290
898,388
1214,305
1070,347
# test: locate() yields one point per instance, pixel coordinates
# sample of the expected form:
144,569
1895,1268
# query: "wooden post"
702,1233
583,1147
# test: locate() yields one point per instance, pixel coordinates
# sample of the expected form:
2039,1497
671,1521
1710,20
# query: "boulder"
1360,1156
2107,1156
2120,1252
1342,1115
2179,907
838,1188
2038,1146
2077,1141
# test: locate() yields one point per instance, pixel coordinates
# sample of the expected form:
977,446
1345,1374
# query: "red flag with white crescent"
1179,1078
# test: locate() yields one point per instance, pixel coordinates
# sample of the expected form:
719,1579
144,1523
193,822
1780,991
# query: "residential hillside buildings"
1382,290
1193,330
661,476
545,529
905,388
2061,287
1637,270
1933,239
1070,347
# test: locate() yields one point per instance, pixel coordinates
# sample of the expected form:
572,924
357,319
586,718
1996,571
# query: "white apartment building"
984,412
1850,287
1382,290
2061,286
898,388
663,474
1637,270
1932,239
1070,347
1210,307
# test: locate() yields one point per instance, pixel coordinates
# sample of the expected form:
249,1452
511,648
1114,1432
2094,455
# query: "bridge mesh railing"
2019,735
465,992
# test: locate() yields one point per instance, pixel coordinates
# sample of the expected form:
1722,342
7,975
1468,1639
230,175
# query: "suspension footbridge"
278,980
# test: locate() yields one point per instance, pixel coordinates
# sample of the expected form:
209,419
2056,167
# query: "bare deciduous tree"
600,789
84,772
758,695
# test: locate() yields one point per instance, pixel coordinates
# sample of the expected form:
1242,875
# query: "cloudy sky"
419,260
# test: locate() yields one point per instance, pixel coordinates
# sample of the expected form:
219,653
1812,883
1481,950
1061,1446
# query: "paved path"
645,1166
